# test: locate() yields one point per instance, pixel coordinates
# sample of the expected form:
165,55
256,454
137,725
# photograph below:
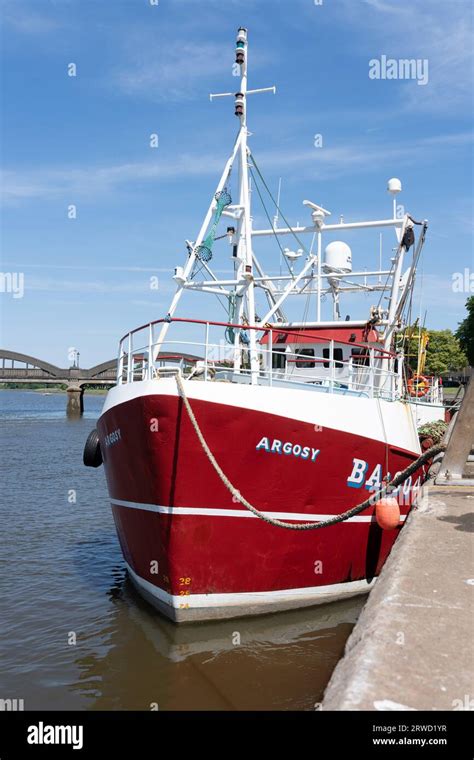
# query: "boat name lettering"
113,437
276,446
374,482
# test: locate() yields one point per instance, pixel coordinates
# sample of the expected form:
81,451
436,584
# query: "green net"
229,332
204,251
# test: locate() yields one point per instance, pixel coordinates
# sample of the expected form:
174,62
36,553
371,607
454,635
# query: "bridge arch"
100,369
32,361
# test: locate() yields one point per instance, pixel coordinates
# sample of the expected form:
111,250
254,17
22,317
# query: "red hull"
156,461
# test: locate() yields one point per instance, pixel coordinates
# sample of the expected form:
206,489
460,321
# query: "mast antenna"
241,54
276,218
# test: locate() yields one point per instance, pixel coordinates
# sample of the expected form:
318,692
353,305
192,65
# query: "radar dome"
394,186
338,258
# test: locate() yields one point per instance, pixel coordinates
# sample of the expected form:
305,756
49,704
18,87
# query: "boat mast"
245,292
245,287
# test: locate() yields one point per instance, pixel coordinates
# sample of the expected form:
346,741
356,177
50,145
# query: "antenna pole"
244,251
380,257
244,293
276,218
319,254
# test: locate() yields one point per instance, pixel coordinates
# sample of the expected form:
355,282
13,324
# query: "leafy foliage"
443,353
434,430
465,331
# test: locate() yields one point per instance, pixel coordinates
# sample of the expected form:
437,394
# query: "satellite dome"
394,186
338,257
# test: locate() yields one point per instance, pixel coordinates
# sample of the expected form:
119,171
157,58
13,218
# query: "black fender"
92,456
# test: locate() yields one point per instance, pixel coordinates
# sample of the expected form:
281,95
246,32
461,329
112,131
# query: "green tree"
444,353
443,350
465,332
410,347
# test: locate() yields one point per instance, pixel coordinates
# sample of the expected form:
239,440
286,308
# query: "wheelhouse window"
338,357
360,356
300,361
278,357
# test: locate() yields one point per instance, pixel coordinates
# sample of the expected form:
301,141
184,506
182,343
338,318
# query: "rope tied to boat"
373,498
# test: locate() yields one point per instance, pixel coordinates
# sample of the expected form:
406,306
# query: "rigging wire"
390,274
300,243
308,298
269,220
420,327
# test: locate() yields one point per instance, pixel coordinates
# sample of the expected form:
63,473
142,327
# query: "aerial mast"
245,292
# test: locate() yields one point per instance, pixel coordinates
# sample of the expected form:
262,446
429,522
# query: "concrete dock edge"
411,648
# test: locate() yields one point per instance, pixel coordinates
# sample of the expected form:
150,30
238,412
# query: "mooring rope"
384,491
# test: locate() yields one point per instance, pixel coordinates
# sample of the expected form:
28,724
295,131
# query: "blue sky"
145,69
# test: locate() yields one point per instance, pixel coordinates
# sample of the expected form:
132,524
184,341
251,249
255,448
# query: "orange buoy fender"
387,513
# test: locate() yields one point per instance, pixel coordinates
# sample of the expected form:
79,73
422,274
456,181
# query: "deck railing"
433,394
143,356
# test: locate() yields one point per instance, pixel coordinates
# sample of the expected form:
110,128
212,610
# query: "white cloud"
48,284
90,267
180,67
436,289
330,163
71,183
384,7
27,21
172,71
439,31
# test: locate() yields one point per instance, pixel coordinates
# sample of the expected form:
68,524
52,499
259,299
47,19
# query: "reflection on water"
75,634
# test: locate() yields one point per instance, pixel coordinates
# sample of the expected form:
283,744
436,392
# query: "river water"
74,634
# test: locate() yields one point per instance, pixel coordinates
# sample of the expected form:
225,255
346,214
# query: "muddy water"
74,634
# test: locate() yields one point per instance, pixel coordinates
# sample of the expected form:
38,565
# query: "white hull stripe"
335,590
211,512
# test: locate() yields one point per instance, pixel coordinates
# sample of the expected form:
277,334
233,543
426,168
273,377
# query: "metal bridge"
21,368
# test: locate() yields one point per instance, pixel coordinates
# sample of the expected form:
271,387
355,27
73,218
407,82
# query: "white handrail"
339,375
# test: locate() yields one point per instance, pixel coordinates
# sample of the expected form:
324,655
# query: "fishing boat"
228,443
